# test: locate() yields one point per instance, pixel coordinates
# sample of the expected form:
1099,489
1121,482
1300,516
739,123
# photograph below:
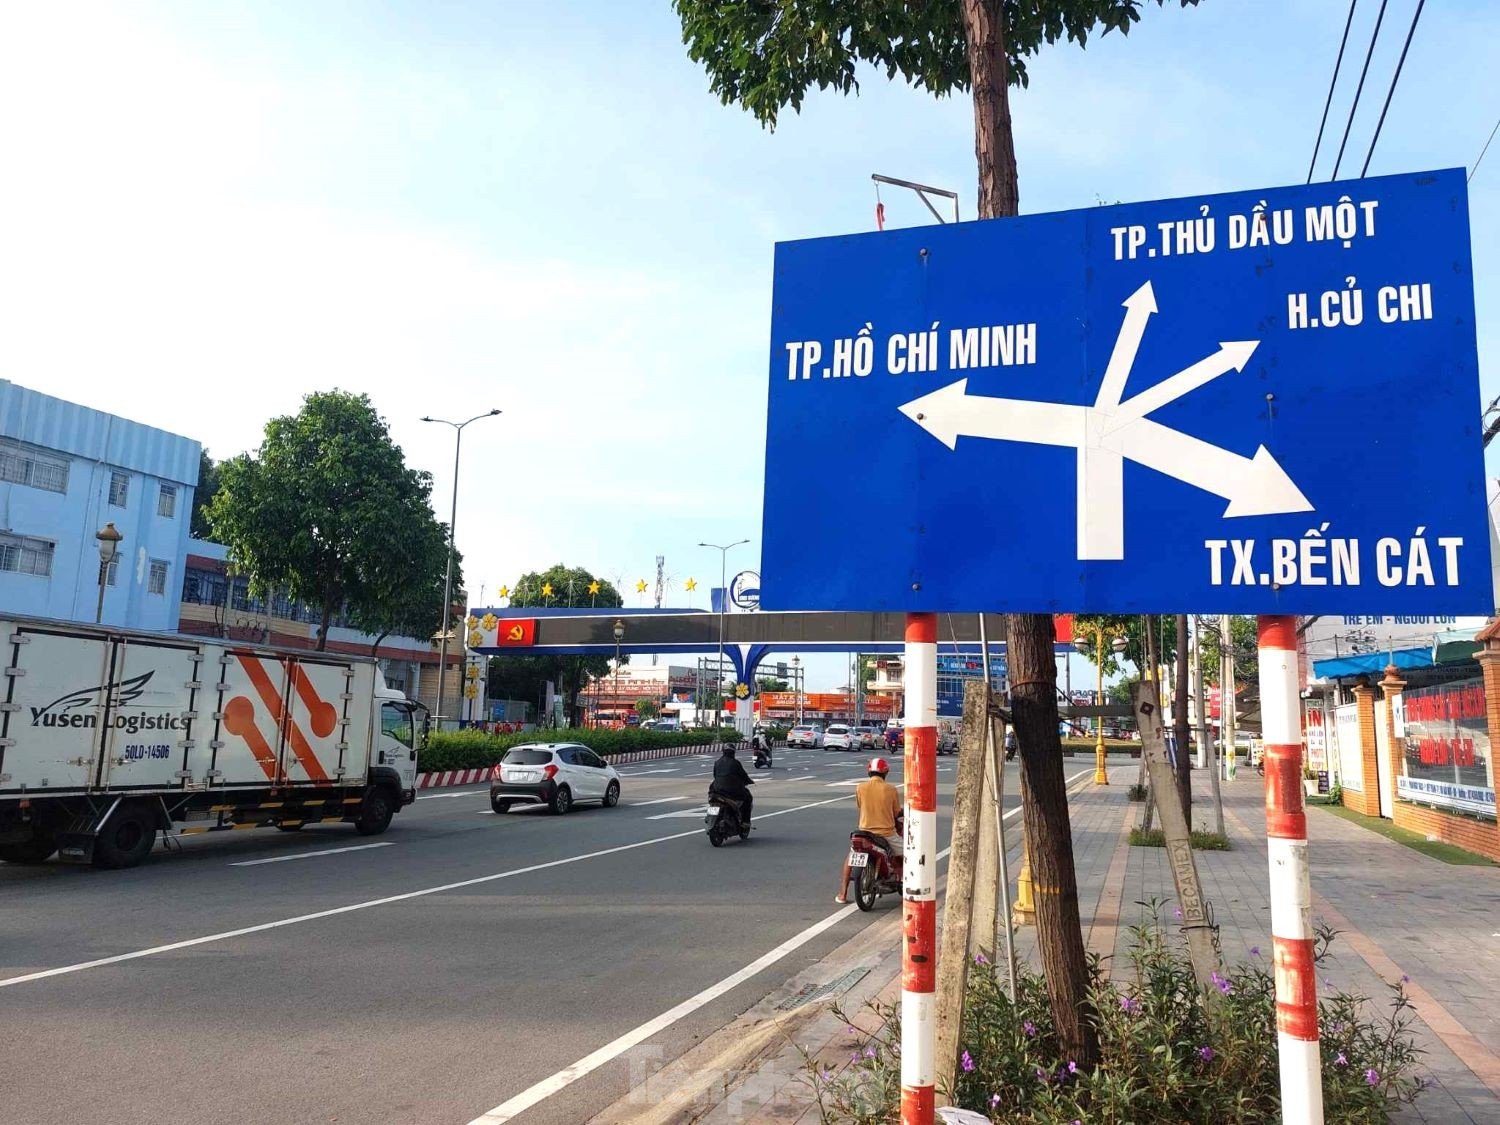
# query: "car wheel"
127,838
864,887
612,795
375,814
562,800
500,807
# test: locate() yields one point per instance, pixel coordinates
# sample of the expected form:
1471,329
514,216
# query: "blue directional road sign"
1261,402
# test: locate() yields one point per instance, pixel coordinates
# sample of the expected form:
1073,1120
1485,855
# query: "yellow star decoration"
741,690
594,589
640,587
473,622
691,584
488,622
476,638
546,589
505,591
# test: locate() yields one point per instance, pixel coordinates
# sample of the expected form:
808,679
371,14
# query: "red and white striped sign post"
1291,889
919,911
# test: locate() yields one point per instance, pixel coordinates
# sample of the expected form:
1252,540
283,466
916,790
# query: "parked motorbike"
725,819
873,868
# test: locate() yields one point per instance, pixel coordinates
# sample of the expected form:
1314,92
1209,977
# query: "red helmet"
880,766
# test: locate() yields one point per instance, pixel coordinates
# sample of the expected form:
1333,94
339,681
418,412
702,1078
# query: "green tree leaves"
327,510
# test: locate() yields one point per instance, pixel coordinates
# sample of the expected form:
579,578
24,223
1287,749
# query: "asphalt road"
464,962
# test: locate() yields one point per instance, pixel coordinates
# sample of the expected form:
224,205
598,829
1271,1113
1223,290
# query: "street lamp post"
458,437
619,636
797,684
109,546
723,608
1101,775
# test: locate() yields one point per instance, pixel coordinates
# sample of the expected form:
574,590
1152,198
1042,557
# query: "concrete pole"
1226,697
1291,888
919,909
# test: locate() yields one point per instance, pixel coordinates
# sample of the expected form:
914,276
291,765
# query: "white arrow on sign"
1111,431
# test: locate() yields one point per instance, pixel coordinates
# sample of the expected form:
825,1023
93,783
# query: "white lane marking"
564,1078
589,1063
309,855
658,801
643,773
680,813
63,970
838,784
808,777
464,793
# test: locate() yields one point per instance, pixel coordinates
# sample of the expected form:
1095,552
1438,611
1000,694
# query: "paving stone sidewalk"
1399,913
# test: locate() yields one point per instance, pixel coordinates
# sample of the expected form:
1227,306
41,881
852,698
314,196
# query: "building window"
21,464
156,581
119,489
166,501
204,587
21,555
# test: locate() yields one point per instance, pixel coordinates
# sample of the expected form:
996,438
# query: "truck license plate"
858,859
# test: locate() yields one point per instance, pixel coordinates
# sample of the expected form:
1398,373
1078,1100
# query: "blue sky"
210,210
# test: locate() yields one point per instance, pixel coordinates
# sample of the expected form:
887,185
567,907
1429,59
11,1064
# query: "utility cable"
1394,79
1358,90
1484,150
1338,62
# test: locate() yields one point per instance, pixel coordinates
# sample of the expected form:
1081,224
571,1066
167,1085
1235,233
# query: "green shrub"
1166,1055
1156,838
473,749
1136,792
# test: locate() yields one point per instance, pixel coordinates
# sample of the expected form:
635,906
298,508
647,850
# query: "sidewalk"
1398,912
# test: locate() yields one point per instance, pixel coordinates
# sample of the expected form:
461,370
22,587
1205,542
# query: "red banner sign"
513,633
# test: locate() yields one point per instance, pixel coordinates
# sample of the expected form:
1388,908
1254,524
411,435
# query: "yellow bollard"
1023,910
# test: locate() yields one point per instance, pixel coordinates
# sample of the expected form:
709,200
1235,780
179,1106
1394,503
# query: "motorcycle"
873,868
725,819
762,754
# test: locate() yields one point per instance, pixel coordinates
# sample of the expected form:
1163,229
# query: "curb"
439,779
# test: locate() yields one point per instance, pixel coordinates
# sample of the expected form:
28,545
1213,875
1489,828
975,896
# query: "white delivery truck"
108,737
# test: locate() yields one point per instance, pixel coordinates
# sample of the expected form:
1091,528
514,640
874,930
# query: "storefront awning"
1371,663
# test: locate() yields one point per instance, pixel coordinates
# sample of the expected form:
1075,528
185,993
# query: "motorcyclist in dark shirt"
731,780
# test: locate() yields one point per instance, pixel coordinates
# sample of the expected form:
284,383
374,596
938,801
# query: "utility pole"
723,604
1226,694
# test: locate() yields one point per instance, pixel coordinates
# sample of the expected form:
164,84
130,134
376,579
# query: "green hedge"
472,749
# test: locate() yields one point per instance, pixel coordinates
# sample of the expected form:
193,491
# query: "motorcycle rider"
880,809
732,781
762,747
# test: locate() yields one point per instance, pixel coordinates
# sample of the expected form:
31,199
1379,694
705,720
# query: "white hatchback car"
555,774
805,734
840,737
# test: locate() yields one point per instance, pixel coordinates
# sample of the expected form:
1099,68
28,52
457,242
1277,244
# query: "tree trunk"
994,145
1033,672
1180,722
323,629
1049,832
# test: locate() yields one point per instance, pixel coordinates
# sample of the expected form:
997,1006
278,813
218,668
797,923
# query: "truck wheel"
127,838
36,850
375,814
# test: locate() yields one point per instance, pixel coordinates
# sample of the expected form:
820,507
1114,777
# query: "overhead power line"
1394,79
1358,90
1484,150
1338,62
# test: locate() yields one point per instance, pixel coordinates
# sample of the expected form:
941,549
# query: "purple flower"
825,1074
869,1052
967,1062
851,1029
1206,1054
1405,979
1129,1004
1372,1077
1255,951
994,1100
1041,1075
1072,1067
1222,984
981,959
1176,912
1029,1028
1342,1060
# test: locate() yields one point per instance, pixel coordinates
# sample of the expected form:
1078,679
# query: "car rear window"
528,756
838,730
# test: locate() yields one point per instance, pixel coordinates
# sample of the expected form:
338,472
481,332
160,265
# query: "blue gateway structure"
1198,403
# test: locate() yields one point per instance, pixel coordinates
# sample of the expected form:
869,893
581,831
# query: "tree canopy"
765,55
203,495
327,510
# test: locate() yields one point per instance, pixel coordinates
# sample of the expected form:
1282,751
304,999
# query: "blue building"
65,472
